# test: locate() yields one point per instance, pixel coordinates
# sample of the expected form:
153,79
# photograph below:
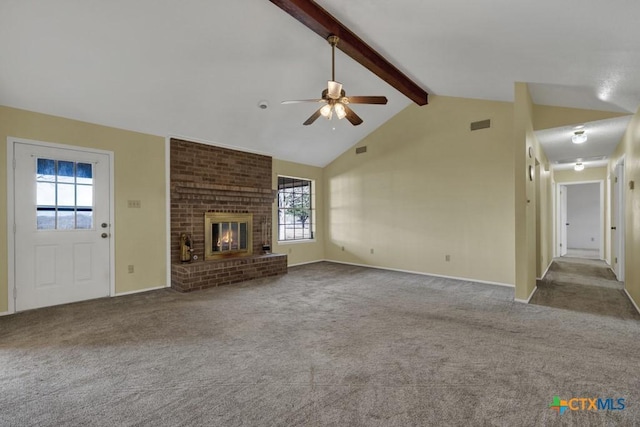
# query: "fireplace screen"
227,234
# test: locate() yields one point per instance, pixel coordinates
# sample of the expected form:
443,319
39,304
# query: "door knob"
104,225
104,235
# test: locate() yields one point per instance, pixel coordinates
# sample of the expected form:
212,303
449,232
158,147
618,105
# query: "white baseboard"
526,301
632,301
485,282
545,271
155,288
306,262
6,313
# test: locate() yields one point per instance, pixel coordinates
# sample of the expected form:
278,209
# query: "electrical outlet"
133,204
130,268
447,258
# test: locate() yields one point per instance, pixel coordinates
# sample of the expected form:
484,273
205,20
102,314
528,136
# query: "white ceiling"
602,138
199,68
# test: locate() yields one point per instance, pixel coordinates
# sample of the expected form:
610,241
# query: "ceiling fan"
334,98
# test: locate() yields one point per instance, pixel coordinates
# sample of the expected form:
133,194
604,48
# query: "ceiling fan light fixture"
578,167
579,137
341,112
326,111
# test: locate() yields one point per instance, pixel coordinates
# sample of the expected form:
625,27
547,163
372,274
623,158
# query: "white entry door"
62,225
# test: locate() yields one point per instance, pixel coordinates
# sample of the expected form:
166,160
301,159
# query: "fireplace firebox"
227,234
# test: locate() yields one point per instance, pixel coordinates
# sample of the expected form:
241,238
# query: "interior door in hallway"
617,222
563,221
62,225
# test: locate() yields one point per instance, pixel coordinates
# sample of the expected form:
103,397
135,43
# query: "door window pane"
66,172
46,193
84,195
64,195
46,220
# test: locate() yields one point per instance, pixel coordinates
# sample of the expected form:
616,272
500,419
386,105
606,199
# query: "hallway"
584,285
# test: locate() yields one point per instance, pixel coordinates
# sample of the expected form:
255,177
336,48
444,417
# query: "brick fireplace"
208,181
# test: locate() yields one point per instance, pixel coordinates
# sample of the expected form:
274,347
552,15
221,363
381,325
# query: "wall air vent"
360,150
482,124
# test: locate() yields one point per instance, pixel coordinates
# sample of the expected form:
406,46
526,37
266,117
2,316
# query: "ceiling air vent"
360,150
482,124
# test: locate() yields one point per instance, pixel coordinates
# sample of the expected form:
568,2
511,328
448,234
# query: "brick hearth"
207,178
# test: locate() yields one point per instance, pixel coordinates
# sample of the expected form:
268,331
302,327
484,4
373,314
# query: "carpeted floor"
326,344
584,285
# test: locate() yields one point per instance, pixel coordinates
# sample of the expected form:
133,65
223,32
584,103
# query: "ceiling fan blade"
352,116
334,89
297,101
381,100
313,118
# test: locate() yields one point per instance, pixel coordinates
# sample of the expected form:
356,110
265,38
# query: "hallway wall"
629,147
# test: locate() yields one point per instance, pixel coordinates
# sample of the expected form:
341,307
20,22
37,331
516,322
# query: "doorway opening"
580,220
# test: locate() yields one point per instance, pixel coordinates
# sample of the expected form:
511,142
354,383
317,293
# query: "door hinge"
615,180
14,163
615,261
560,244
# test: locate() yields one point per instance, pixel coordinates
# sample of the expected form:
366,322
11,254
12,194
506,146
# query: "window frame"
311,221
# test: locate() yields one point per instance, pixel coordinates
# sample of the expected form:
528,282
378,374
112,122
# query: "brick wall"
207,178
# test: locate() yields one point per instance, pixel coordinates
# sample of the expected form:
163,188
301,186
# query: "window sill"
294,242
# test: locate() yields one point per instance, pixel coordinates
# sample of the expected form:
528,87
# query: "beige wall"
140,236
300,252
428,187
629,147
525,192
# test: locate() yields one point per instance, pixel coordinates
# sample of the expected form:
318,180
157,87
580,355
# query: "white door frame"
619,173
11,141
558,215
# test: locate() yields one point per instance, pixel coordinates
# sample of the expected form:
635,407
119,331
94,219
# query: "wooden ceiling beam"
324,24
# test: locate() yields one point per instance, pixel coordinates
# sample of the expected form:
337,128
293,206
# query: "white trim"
6,313
601,249
307,262
11,259
296,242
545,272
167,195
112,219
526,301
484,282
632,301
11,141
139,291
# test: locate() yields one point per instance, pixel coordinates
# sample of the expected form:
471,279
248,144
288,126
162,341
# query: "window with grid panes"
296,209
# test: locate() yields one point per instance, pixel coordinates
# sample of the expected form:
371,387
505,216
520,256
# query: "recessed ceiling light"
579,137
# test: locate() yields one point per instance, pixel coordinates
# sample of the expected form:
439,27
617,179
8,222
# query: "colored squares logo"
559,405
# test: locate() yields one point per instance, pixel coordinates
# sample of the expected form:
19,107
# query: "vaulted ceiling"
199,69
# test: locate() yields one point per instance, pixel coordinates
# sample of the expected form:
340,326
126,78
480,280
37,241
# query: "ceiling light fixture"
579,137
578,167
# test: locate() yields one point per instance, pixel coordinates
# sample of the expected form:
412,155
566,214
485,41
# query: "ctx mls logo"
587,404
